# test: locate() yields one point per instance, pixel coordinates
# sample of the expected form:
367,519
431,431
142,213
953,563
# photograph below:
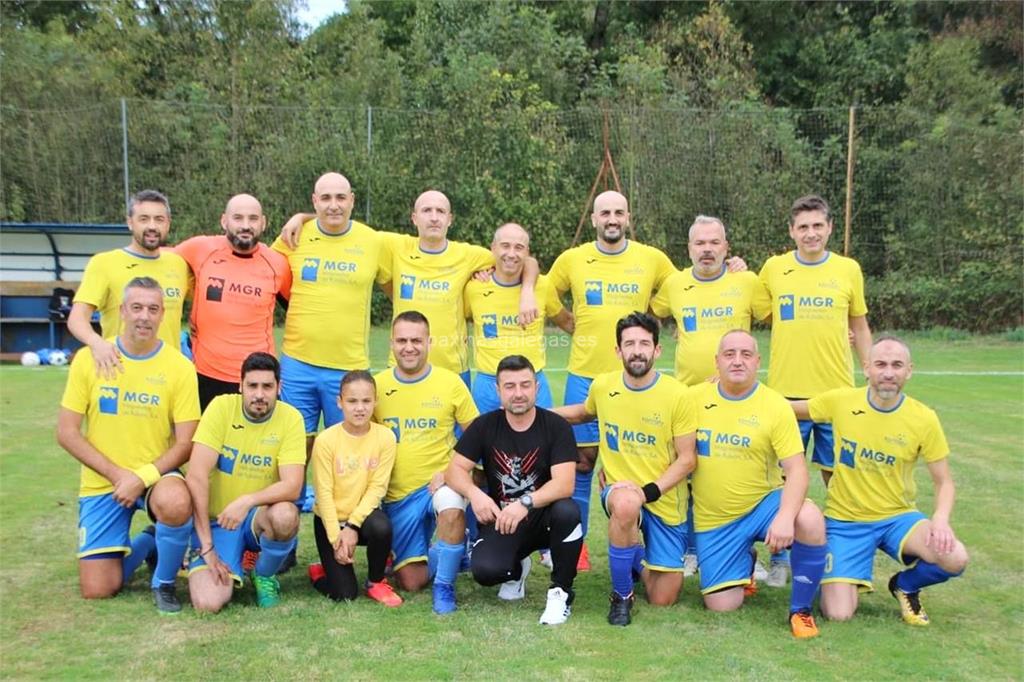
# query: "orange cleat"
249,560
803,625
383,593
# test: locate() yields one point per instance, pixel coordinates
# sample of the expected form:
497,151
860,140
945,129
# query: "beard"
638,365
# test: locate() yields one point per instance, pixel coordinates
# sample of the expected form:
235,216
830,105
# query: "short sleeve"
465,408
760,301
80,378
684,414
664,268
563,443
210,431
822,407
933,445
293,440
186,397
858,305
478,258
552,304
786,440
590,404
471,442
389,244
558,275
93,288
660,303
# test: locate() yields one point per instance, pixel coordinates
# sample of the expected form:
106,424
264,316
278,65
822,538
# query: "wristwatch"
527,501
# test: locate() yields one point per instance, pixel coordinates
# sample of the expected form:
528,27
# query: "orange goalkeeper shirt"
233,304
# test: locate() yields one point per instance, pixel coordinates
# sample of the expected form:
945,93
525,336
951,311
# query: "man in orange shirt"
238,279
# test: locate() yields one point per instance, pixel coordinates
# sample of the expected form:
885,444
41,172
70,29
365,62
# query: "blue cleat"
444,598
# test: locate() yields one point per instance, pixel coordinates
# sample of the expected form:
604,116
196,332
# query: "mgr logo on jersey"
704,442
594,289
689,316
215,289
407,287
611,436
848,452
226,459
489,323
108,399
395,426
310,268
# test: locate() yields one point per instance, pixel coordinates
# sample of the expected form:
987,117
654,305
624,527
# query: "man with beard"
247,465
529,459
880,434
608,278
107,273
648,424
237,281
131,432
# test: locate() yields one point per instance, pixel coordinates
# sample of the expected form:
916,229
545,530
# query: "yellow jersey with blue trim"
131,418
248,452
494,309
432,283
875,452
328,320
605,287
107,273
704,309
637,427
422,413
739,444
811,307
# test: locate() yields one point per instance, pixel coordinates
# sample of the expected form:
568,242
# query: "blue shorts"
412,525
664,544
485,392
724,552
823,440
852,545
576,390
229,545
312,390
104,526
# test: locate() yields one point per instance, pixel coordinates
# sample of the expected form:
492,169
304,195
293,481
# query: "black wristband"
349,524
651,492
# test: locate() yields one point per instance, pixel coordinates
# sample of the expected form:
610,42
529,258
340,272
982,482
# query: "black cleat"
621,608
166,598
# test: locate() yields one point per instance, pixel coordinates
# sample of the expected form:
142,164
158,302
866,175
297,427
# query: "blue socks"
781,557
272,555
142,545
921,575
638,562
808,564
620,564
448,558
581,493
171,545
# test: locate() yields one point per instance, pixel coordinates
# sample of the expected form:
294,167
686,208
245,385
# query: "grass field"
47,630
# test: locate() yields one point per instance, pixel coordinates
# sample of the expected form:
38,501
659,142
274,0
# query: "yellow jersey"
432,283
131,418
704,309
875,452
637,428
328,320
107,273
351,474
422,414
811,307
739,444
605,287
494,308
248,452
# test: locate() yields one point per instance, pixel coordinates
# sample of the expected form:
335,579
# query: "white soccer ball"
58,358
29,359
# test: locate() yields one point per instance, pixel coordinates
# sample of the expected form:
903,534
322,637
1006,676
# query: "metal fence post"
848,215
369,160
124,151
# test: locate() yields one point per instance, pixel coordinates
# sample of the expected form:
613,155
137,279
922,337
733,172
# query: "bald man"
493,306
334,262
237,281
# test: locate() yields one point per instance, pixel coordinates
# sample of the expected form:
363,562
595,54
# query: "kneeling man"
529,458
247,468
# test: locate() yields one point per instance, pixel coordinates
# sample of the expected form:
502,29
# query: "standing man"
247,467
608,278
706,300
326,331
529,459
138,427
494,308
817,300
237,281
648,425
744,433
422,404
880,434
107,273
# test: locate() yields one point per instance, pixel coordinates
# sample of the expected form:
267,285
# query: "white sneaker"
778,574
513,590
545,559
760,572
689,565
557,610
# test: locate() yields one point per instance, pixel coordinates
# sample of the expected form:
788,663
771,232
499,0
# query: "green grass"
47,630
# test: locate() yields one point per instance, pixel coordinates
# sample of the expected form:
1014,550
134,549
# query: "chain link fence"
936,210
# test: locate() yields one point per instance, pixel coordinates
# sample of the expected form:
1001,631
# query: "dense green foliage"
721,108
